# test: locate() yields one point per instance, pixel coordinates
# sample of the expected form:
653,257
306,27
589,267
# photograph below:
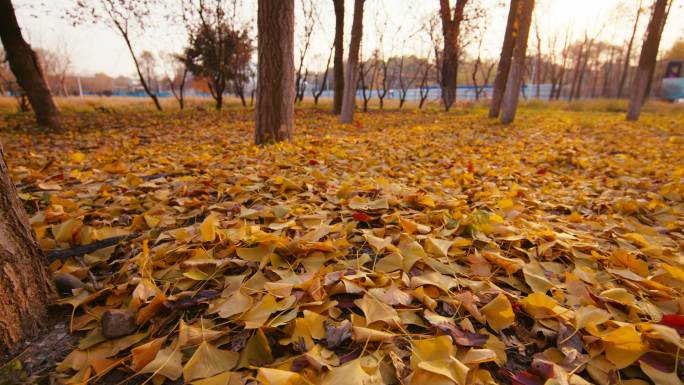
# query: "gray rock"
67,282
118,323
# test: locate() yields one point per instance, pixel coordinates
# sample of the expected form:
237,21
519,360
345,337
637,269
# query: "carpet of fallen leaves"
410,247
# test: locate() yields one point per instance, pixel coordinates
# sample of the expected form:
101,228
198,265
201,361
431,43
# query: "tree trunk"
275,72
450,30
25,67
510,100
647,59
625,64
338,65
25,285
504,60
352,71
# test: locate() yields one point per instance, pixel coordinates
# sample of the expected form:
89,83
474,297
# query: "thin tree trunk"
26,69
625,64
650,77
505,60
647,59
450,29
275,73
144,84
338,70
316,93
26,288
517,70
352,71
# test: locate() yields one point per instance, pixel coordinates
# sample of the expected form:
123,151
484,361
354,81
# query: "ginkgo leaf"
227,378
269,376
166,363
208,228
145,353
499,313
258,314
194,334
208,361
375,311
352,372
624,346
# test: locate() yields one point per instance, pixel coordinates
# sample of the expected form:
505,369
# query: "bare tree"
515,75
310,20
367,79
352,71
122,16
505,59
338,70
557,86
275,73
424,87
407,74
538,64
56,65
647,59
24,64
317,90
451,26
177,76
628,53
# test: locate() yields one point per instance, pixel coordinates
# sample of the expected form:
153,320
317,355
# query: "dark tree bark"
275,72
26,69
26,288
352,71
517,70
504,61
647,59
338,70
628,54
451,27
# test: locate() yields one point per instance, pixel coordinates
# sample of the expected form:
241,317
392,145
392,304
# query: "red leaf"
363,217
674,321
471,168
526,378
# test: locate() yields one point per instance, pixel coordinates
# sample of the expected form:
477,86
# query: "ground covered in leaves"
411,247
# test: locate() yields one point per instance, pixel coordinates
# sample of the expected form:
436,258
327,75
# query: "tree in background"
451,27
338,62
647,59
310,14
318,89
217,50
56,65
352,70
515,74
504,60
148,66
24,64
176,77
275,71
628,53
26,288
124,17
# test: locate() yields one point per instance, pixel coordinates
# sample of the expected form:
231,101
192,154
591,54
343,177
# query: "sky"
394,25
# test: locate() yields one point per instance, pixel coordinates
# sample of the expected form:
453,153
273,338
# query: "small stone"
65,282
118,323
